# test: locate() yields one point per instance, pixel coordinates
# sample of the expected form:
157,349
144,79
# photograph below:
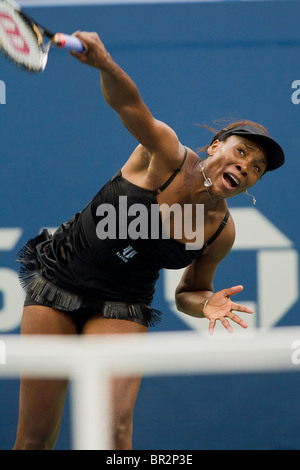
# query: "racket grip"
70,42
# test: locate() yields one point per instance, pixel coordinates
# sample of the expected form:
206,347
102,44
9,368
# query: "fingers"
86,36
224,310
80,36
211,326
81,56
233,290
237,320
88,39
241,308
225,322
94,50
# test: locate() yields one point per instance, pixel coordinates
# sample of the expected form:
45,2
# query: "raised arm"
122,95
195,294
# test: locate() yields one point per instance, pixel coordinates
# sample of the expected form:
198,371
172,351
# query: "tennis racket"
22,39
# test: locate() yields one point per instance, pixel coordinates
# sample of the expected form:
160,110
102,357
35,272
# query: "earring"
253,198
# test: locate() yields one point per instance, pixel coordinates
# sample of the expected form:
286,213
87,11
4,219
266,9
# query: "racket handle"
70,42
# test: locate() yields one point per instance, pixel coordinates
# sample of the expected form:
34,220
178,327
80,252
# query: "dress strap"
166,184
222,225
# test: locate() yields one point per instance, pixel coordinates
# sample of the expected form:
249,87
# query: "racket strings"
20,40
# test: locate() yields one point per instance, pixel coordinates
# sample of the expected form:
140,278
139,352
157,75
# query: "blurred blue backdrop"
60,142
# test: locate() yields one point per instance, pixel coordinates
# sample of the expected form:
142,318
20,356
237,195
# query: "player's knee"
35,440
122,433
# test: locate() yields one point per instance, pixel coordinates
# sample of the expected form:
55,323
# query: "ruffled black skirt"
41,291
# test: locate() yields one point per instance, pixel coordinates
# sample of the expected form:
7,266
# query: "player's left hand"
220,307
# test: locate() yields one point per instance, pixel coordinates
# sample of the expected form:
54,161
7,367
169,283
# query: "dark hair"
218,132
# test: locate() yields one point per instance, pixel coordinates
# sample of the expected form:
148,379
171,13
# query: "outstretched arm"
195,294
122,95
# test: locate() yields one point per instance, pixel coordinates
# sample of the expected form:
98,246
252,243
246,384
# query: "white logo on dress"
127,254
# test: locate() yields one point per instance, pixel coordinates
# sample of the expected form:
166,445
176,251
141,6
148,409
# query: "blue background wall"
193,63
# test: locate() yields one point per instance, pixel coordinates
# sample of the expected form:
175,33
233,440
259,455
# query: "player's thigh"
42,401
40,320
41,397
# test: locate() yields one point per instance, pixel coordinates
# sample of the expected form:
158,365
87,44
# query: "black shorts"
138,312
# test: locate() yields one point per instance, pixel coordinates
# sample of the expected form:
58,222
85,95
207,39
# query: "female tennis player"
94,276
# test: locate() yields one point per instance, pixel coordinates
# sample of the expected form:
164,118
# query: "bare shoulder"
169,155
164,149
149,169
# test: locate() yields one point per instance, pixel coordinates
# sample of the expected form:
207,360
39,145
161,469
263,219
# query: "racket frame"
39,31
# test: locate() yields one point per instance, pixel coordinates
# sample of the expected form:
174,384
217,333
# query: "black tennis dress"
78,270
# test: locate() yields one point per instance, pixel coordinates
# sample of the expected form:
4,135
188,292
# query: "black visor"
274,153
